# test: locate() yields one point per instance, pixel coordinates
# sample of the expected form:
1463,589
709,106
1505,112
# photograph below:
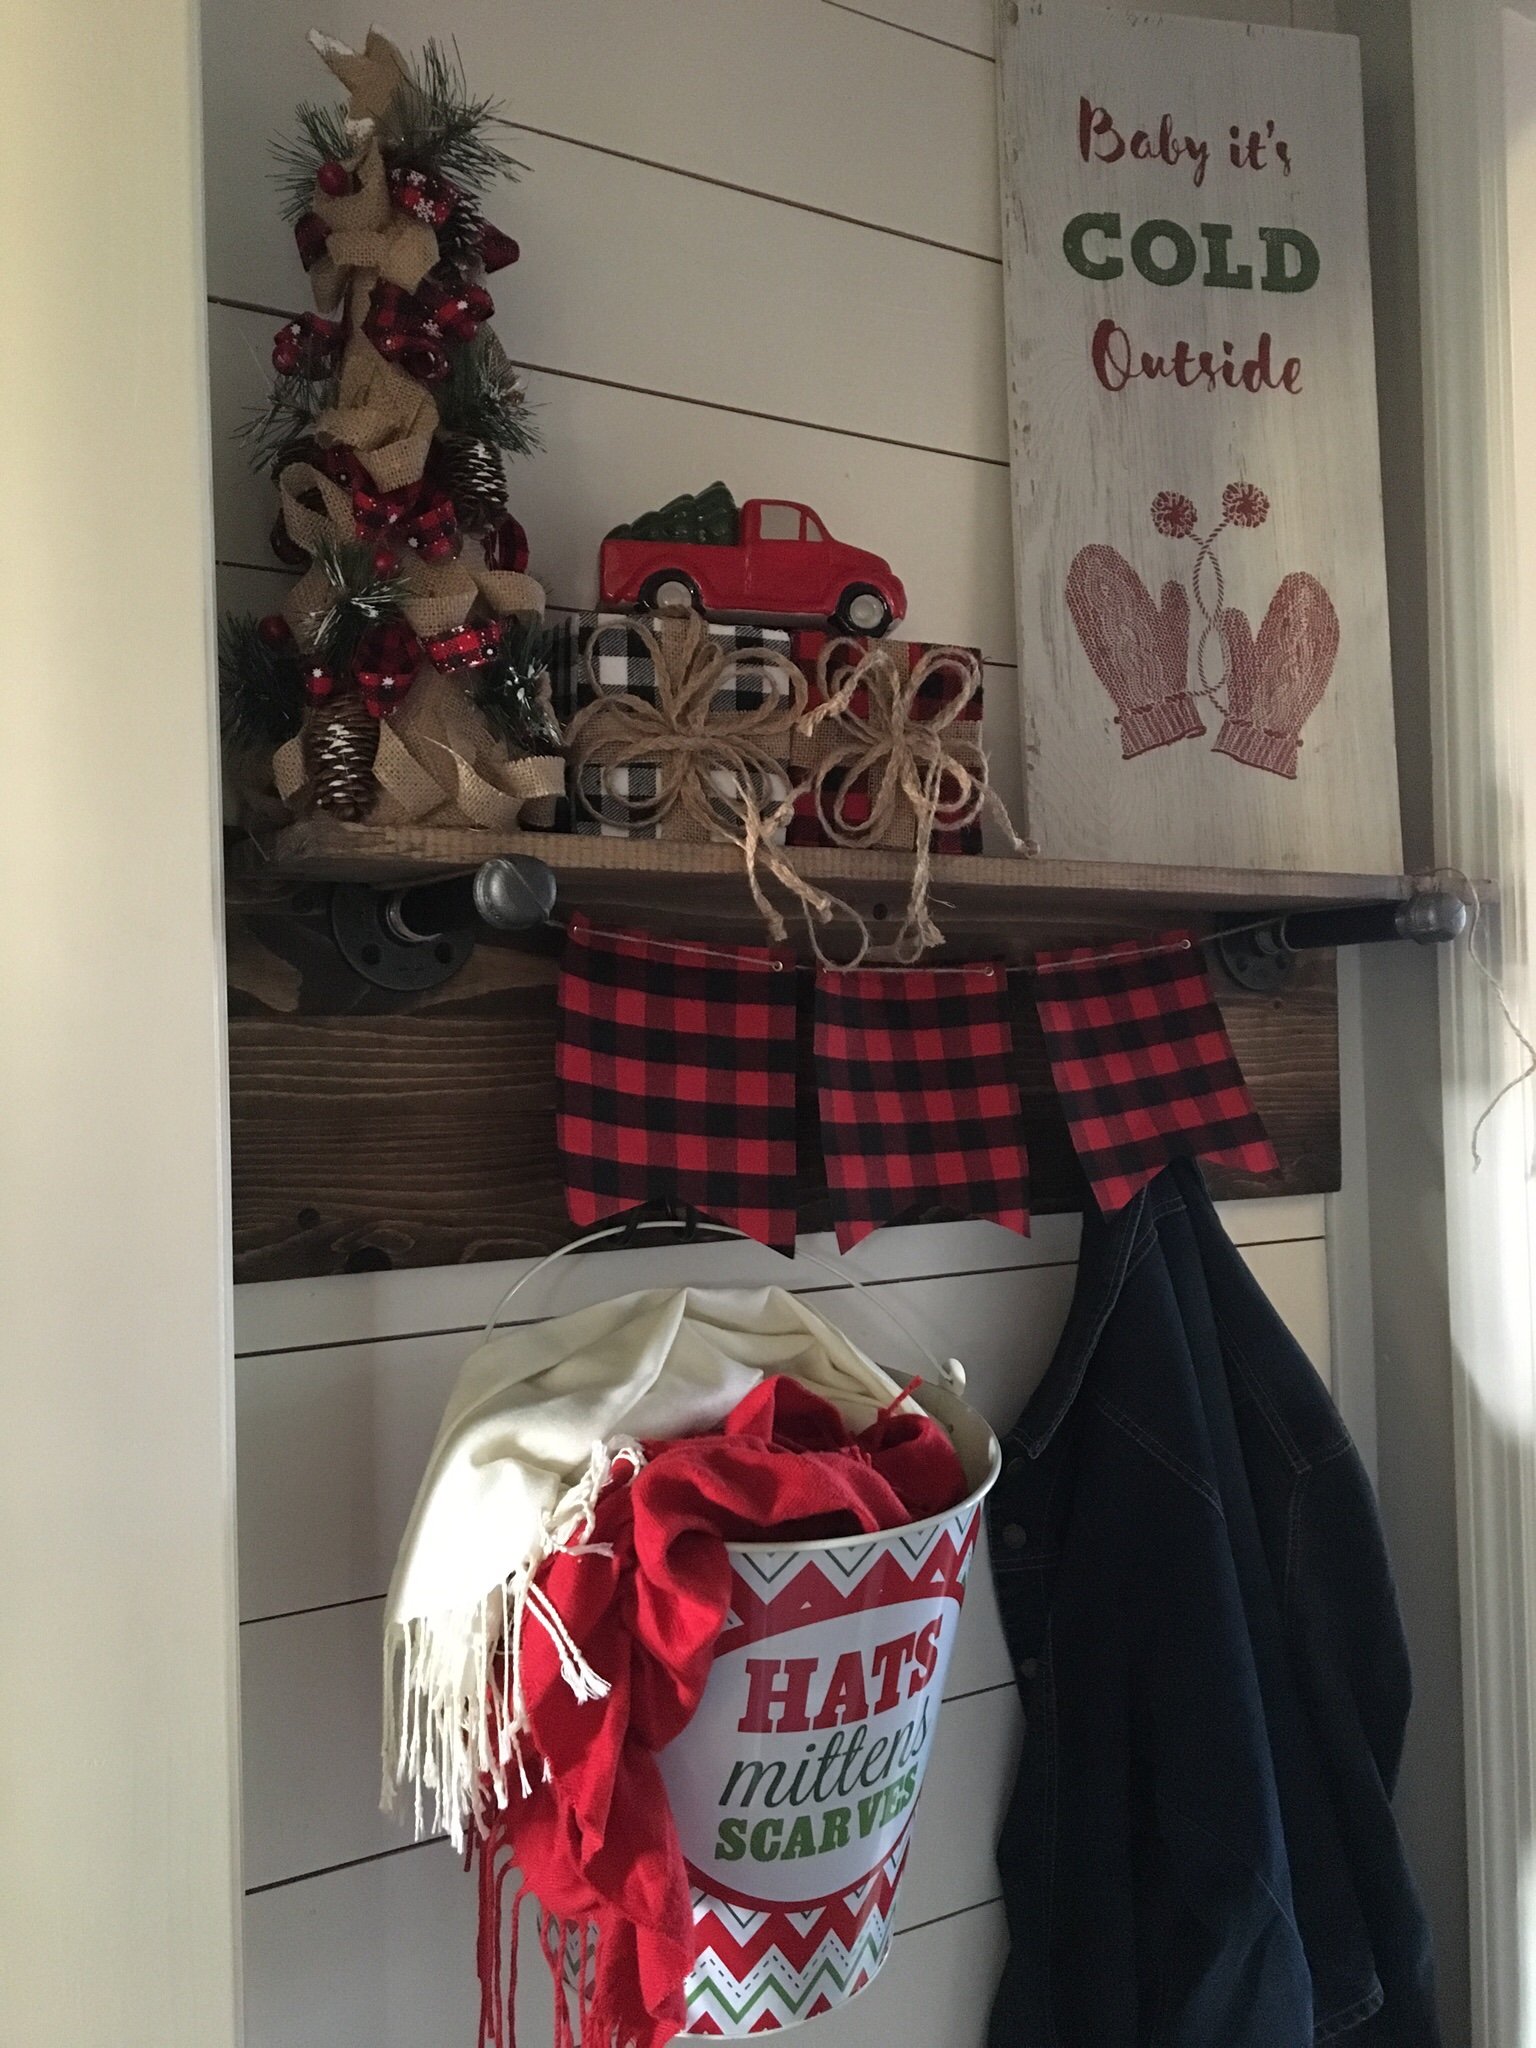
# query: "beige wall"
117,1795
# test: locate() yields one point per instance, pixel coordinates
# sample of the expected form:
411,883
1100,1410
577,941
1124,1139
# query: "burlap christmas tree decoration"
401,682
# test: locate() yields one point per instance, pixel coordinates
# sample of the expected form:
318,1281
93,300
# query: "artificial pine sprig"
261,685
510,692
434,123
484,398
323,137
360,596
285,418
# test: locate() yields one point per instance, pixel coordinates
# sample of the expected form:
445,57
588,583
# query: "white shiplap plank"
969,25
1295,1277
382,1956
962,26
786,97
942,521
332,1442
352,1307
343,1307
310,1742
785,331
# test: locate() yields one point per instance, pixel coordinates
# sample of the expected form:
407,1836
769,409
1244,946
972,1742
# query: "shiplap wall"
760,241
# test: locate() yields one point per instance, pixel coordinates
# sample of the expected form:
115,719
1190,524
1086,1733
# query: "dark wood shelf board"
999,901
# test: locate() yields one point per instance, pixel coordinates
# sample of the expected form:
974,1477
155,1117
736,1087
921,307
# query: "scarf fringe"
455,1713
570,1952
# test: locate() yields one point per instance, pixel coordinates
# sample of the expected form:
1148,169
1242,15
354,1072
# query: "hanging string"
1456,879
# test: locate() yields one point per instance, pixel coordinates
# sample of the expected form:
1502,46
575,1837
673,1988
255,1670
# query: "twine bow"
720,772
900,763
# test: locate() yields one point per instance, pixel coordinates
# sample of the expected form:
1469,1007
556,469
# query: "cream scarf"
533,1428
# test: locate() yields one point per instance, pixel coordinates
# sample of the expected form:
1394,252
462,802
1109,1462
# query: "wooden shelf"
1001,901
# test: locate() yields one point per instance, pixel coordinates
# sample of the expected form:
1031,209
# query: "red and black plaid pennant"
919,1108
1143,1064
675,1079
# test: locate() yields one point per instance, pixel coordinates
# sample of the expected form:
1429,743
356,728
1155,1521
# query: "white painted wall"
760,241
118,1895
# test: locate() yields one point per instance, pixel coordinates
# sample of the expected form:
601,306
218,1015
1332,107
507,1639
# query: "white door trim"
119,1898
1485,771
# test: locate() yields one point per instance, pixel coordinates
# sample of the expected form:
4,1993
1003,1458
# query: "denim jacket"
1200,1851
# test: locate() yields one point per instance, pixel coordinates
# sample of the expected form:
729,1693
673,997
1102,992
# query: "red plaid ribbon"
506,545
285,547
312,235
496,249
1143,1064
464,647
310,344
423,195
385,664
675,1079
457,307
402,329
420,515
319,683
919,1107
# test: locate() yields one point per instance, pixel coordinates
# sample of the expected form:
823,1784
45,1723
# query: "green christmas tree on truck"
402,681
770,557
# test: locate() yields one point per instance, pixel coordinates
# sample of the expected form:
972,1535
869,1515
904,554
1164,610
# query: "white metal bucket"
794,1785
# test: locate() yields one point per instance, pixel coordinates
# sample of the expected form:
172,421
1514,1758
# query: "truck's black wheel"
669,589
861,609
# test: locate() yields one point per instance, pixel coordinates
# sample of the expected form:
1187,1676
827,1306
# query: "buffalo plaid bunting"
622,665
1143,1064
919,1109
675,1079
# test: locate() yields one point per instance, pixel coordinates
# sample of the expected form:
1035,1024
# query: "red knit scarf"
645,1597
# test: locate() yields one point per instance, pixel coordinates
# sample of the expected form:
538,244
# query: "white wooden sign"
1197,495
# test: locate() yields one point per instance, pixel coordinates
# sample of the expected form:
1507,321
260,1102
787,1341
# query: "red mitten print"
1276,682
1139,651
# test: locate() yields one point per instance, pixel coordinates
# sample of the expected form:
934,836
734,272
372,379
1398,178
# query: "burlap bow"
914,772
367,233
382,414
719,774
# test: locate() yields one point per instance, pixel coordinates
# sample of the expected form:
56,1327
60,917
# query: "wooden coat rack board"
373,1131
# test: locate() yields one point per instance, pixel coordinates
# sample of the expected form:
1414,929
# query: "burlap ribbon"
368,235
720,775
914,772
372,75
439,595
382,414
439,764
310,526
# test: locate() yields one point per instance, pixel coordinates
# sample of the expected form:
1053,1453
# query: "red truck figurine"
770,556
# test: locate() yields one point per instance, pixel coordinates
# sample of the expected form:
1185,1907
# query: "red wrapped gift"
886,714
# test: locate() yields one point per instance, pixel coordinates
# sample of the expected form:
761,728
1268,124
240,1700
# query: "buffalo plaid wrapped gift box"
841,765
747,713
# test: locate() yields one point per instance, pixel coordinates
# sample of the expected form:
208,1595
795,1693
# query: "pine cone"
472,475
340,742
458,237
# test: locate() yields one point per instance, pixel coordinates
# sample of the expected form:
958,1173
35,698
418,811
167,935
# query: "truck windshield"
812,530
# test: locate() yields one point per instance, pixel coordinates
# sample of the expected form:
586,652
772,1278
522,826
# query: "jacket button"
1014,1535
1028,1666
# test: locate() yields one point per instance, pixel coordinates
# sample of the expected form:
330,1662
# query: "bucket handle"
948,1373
